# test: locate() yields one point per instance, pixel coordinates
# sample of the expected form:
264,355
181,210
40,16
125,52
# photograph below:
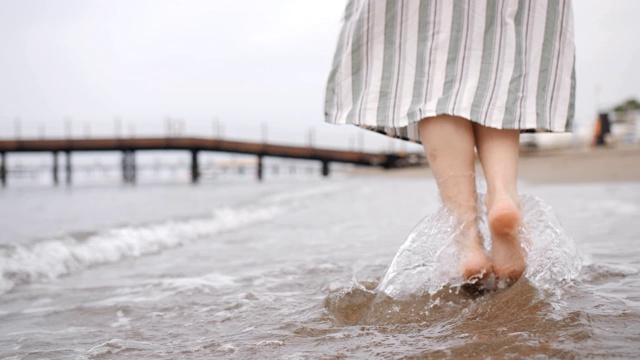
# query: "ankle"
501,197
470,235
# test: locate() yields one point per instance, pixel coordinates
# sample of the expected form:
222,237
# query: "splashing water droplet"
552,255
428,260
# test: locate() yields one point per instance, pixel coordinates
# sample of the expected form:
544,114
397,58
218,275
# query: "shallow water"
289,269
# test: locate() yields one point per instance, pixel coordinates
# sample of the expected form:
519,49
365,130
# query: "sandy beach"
562,166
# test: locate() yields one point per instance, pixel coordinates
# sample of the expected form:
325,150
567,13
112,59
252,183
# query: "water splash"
423,283
552,255
428,260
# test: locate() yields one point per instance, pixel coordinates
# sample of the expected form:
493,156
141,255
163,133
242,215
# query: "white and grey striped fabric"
506,64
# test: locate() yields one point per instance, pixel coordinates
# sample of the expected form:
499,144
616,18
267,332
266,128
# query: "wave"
50,259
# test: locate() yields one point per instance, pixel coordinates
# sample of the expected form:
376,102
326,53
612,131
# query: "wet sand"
591,165
557,167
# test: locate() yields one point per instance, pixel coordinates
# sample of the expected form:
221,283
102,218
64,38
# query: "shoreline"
551,166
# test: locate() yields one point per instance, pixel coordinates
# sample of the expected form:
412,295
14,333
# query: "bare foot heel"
476,265
474,262
507,252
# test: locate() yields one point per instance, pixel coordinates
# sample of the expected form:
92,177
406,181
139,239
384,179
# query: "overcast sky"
245,62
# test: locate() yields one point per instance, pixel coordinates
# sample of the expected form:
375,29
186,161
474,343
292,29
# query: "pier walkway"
128,147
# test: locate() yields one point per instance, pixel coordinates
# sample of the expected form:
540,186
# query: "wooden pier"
129,146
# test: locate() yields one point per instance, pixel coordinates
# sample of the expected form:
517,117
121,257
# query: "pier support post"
128,166
3,168
56,180
131,164
195,168
68,166
125,175
260,168
325,168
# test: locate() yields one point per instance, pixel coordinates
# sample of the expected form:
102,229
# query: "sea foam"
49,259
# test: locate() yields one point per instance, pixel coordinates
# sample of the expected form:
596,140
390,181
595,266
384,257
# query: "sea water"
425,271
307,268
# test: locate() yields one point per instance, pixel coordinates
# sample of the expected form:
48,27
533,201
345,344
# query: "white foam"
50,259
36,310
69,330
115,346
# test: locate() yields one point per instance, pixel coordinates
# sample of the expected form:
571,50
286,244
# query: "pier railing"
129,146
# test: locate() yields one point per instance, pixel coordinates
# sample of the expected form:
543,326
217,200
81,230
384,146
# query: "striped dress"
506,64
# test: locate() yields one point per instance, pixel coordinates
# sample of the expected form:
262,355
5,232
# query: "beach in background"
556,166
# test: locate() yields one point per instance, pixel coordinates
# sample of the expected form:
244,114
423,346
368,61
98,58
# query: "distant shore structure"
129,146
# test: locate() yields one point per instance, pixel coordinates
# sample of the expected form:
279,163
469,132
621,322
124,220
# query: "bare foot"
476,265
474,262
506,251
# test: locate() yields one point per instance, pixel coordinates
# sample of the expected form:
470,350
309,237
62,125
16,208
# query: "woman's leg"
449,143
498,151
